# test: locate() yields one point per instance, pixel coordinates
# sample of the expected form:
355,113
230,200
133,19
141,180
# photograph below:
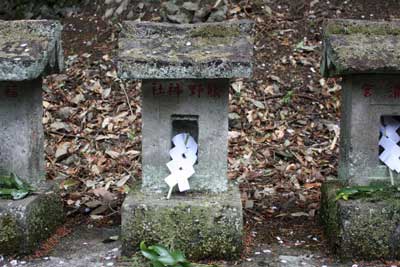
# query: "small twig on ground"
294,95
273,96
307,97
68,135
111,208
127,99
216,4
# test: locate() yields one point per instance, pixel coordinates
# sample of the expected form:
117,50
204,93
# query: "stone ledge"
29,49
201,225
361,229
25,223
149,50
359,47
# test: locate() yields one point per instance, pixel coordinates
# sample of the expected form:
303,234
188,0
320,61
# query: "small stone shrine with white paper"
29,50
366,54
185,200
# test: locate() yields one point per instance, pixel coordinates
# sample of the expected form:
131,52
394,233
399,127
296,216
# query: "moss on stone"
175,57
28,222
150,50
329,211
368,29
29,49
215,31
43,219
10,235
369,230
15,34
355,47
365,228
207,226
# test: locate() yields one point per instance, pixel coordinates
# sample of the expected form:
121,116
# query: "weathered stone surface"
182,11
166,105
360,46
365,229
29,49
365,98
201,225
83,247
21,130
25,223
150,50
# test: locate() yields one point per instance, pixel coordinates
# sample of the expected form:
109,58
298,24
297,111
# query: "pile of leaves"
13,187
92,134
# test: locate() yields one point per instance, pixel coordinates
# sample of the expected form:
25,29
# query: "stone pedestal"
365,54
186,71
28,51
25,223
361,229
203,225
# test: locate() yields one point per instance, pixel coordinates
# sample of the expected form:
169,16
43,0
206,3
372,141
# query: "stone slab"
361,229
360,46
83,247
25,223
203,102
203,226
149,50
365,98
21,130
29,49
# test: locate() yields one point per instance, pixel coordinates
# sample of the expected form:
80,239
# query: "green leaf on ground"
362,191
306,48
13,187
160,256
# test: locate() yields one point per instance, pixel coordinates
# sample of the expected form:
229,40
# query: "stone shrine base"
361,229
25,223
201,225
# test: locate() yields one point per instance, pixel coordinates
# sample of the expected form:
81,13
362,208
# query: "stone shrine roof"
360,47
29,49
149,50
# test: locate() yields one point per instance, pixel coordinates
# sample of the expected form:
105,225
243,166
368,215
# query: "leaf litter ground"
284,122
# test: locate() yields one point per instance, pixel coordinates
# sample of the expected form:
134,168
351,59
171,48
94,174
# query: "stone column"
168,107
28,51
186,71
21,130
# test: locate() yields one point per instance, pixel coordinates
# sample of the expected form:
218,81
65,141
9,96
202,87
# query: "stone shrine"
185,71
28,51
366,54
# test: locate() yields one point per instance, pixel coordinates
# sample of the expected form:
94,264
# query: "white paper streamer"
184,156
391,153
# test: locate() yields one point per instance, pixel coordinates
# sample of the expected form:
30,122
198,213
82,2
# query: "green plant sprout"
288,97
13,187
363,191
160,256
